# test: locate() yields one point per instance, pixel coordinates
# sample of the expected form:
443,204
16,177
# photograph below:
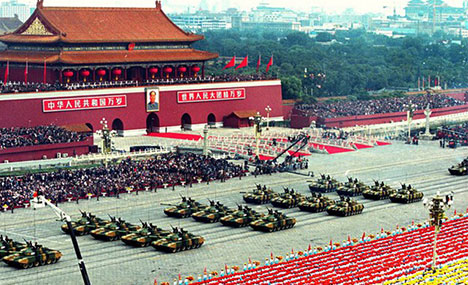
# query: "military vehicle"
178,240
460,169
274,221
185,209
406,195
324,184
32,256
242,217
378,191
213,213
145,236
288,199
9,246
86,223
351,188
316,203
345,207
260,195
114,231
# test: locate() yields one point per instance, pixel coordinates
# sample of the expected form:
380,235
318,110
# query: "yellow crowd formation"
452,273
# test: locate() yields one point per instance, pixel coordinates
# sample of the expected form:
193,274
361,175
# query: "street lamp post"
409,116
205,140
436,207
268,110
257,120
106,136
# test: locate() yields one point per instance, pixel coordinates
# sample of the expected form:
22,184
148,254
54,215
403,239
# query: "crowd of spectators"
346,108
166,169
19,87
453,136
20,137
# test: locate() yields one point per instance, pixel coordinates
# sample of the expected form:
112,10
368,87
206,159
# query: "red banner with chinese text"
84,103
211,95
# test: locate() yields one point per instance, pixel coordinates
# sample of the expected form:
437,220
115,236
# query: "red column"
125,73
61,76
146,70
77,75
203,70
189,70
176,72
94,74
161,72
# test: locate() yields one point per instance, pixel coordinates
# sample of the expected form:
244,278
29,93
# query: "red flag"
309,248
270,63
7,70
259,62
155,281
363,235
331,244
45,71
381,230
244,63
271,253
455,212
26,73
180,277
231,63
349,238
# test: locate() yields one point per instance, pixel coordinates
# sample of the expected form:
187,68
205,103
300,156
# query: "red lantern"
195,69
68,74
182,69
153,71
101,73
167,70
117,71
85,73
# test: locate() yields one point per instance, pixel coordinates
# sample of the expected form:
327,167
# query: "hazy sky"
304,5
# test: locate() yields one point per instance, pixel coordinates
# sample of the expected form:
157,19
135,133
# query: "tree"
291,87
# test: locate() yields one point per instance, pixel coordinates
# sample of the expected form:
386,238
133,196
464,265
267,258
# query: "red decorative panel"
85,103
211,95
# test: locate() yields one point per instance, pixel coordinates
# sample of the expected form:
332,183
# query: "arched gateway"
152,123
186,122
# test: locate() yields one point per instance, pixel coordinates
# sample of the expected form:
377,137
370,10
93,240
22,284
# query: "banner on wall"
211,95
152,99
84,103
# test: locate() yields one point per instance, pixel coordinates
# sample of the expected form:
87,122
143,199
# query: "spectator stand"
371,259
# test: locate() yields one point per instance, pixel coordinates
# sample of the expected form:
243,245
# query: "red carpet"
176,136
332,149
361,146
383,143
264,157
298,154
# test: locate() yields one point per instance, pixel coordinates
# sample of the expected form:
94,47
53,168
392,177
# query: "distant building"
264,17
11,8
9,24
202,21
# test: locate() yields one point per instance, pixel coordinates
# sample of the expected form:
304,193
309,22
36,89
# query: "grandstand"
394,258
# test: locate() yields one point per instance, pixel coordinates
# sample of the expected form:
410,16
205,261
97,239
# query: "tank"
315,204
260,195
324,184
86,223
213,213
145,236
274,221
378,191
406,195
185,209
242,217
460,169
288,199
9,246
33,256
345,207
114,231
178,240
351,188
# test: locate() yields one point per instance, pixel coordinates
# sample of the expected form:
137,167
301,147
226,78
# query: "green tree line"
347,63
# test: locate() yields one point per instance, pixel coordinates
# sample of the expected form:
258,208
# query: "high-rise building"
11,8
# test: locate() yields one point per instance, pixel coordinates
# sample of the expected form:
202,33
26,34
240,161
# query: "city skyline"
331,6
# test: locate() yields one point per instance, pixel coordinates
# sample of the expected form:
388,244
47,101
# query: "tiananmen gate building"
106,48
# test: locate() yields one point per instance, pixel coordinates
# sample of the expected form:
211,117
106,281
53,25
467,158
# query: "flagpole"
45,71
7,70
